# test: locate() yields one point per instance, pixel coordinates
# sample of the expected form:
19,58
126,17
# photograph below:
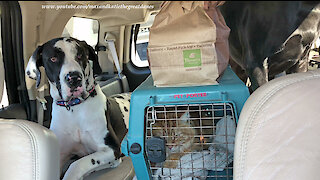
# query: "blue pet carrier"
184,132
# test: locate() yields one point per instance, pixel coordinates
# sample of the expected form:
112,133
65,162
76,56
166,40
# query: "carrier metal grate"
198,141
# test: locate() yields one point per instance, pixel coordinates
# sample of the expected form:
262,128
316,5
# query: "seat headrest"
279,130
28,151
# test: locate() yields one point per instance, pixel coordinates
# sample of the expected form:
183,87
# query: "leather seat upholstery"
28,151
278,133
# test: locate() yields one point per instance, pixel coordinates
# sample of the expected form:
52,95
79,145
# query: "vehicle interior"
35,24
28,24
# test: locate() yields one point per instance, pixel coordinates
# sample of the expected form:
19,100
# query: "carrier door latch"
156,149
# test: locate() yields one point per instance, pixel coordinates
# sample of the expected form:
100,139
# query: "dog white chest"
81,128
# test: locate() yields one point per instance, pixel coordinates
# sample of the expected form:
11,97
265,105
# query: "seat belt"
110,39
42,106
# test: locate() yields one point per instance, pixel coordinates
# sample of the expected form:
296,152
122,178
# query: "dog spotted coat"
92,129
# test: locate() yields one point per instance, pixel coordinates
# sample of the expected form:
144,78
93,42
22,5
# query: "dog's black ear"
34,63
93,57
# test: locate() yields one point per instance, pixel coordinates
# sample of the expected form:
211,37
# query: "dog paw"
115,163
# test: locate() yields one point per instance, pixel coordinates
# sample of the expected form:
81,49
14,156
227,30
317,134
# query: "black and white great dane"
269,37
85,121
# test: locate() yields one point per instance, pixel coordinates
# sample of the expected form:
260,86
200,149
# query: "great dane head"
66,63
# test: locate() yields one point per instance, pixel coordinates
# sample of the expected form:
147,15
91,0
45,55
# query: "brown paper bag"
222,31
181,46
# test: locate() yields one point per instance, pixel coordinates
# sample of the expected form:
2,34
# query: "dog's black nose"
74,79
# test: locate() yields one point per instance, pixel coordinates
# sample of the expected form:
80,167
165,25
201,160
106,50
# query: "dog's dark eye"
53,59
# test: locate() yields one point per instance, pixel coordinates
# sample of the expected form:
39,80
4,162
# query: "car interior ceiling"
38,25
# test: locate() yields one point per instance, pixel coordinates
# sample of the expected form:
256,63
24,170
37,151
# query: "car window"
83,29
139,55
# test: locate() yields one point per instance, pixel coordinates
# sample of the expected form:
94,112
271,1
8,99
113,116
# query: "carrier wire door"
198,140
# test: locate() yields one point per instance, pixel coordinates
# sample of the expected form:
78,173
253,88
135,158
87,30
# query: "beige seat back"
28,151
278,133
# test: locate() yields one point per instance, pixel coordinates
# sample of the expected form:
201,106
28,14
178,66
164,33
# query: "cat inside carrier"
198,140
184,132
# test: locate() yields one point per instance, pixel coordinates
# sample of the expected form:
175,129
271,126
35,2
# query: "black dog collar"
74,101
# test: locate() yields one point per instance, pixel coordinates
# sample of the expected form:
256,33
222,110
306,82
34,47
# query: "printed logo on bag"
192,58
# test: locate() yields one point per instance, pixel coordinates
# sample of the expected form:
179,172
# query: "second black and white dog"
85,121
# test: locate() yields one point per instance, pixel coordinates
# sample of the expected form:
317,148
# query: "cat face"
179,135
178,132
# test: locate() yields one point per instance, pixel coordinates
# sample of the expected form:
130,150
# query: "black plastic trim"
135,75
12,50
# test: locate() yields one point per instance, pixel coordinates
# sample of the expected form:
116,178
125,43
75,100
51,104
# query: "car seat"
28,151
279,130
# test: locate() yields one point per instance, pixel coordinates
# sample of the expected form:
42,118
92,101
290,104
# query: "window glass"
4,101
83,29
139,55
